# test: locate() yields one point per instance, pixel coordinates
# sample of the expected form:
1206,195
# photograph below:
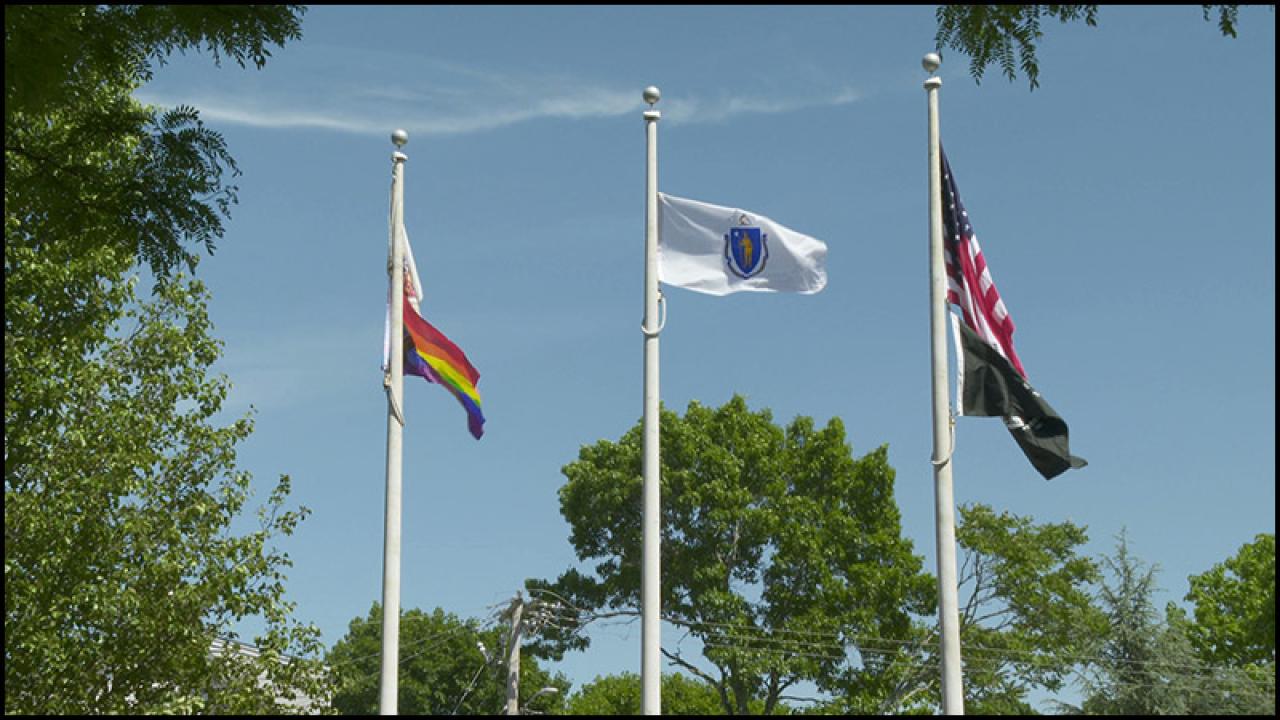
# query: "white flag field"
720,250
413,289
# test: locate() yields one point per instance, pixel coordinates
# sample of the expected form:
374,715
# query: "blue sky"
1126,208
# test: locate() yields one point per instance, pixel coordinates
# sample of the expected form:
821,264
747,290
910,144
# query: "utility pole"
516,612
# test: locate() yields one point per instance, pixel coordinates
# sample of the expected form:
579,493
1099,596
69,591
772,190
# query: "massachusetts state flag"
991,380
720,250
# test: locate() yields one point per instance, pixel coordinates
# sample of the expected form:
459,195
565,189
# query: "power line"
1241,687
406,645
448,631
424,651
471,686
876,645
405,616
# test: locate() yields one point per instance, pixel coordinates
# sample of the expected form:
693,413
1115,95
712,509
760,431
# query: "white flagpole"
395,427
943,497
650,595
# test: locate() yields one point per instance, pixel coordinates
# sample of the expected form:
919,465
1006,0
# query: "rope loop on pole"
662,317
951,422
391,398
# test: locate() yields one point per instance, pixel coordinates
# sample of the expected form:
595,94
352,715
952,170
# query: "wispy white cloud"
297,114
457,100
693,109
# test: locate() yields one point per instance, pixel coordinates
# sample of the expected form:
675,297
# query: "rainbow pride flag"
431,355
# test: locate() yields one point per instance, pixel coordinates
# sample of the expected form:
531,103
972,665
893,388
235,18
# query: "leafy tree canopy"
120,565
1126,675
781,551
1028,612
85,164
448,666
1235,606
783,555
1026,616
1142,666
620,695
54,53
1007,35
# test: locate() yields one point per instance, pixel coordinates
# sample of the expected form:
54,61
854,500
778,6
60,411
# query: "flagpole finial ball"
652,95
400,138
931,62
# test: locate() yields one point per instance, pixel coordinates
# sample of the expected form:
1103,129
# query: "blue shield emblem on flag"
745,251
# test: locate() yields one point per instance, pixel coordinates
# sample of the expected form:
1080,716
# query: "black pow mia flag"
991,387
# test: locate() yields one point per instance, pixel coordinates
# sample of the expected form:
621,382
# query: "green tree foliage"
53,53
448,666
1209,687
1142,666
783,555
86,165
1128,663
620,695
1028,612
781,552
121,567
1007,35
94,182
1235,607
1026,616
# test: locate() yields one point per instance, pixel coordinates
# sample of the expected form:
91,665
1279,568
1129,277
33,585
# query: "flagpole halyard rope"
386,375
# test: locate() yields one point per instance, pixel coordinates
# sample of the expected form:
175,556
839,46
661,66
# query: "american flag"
969,282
